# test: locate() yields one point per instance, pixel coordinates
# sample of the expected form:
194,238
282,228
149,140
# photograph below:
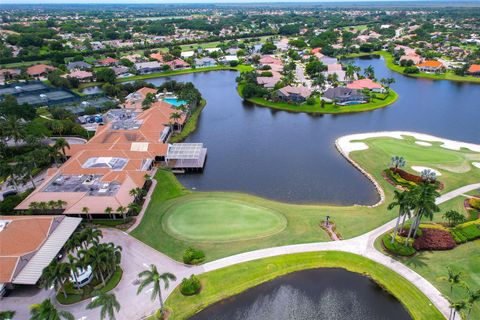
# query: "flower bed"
434,239
467,231
397,247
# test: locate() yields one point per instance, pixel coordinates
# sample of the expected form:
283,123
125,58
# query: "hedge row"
466,231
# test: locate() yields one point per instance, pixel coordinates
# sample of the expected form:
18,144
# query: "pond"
307,295
292,157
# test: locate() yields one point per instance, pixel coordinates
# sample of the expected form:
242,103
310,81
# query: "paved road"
137,256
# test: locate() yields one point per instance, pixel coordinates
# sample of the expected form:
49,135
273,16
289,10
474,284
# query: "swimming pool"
175,101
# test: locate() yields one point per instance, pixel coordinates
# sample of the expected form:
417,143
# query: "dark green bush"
193,256
397,248
190,286
466,232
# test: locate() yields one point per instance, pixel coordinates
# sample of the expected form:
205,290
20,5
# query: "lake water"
291,157
308,295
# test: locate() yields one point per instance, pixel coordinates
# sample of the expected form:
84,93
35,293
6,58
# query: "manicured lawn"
221,220
302,220
226,282
432,265
328,107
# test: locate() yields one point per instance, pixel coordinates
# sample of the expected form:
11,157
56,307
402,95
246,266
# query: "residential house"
78,65
228,59
342,95
177,64
148,67
121,70
84,76
431,66
107,62
294,94
40,70
205,62
474,70
268,82
366,84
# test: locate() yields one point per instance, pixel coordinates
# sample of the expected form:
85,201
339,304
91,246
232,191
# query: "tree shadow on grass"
417,261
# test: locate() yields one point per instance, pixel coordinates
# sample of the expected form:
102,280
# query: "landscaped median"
379,101
249,274
77,295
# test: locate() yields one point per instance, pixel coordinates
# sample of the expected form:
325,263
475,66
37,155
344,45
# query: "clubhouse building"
97,179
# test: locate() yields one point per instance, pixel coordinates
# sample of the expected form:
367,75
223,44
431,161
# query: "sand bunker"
420,169
423,143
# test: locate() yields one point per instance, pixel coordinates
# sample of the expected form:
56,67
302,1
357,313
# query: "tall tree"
155,278
46,311
55,274
108,304
404,203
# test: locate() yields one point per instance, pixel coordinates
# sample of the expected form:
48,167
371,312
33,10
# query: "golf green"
221,221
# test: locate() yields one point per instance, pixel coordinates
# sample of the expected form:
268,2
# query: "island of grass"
246,275
87,292
373,154
389,61
380,100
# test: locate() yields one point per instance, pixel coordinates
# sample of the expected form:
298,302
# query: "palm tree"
134,208
453,278
175,116
7,315
55,274
46,311
472,298
456,307
369,72
108,305
152,276
85,210
350,72
109,210
13,129
62,144
75,242
398,162
428,175
403,201
423,197
122,210
61,204
91,236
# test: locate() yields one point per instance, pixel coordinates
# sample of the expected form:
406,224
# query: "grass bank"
246,275
241,68
191,124
328,108
389,61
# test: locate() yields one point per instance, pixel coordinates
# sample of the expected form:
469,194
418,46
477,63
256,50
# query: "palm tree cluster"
44,207
414,204
83,249
468,302
20,168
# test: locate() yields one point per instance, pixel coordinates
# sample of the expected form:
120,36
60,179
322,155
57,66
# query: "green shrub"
397,248
193,256
190,286
311,101
466,231
395,177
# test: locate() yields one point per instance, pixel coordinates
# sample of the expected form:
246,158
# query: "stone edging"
379,189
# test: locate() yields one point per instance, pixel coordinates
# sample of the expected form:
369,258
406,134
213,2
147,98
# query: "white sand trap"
476,164
423,143
420,169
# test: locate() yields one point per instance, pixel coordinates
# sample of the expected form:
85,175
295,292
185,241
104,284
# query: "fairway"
221,220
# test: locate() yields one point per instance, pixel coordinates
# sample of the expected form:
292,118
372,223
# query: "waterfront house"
81,75
366,84
148,67
107,62
431,66
342,95
474,70
294,94
205,62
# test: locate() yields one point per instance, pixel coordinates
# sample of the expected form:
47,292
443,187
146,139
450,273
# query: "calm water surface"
291,157
309,295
